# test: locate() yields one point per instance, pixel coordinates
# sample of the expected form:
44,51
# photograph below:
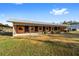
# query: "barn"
27,27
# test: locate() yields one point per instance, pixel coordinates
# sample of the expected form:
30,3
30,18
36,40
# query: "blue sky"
44,12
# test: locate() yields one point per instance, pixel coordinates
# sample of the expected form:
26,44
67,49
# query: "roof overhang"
26,22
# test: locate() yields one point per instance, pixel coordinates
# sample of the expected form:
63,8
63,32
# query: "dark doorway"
26,28
55,28
36,28
43,28
49,28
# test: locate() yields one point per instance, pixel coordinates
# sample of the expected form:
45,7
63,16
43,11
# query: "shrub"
55,32
45,32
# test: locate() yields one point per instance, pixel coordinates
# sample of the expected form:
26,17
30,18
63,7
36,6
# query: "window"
20,28
47,28
31,28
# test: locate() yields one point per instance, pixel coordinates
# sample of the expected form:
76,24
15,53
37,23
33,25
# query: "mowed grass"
45,45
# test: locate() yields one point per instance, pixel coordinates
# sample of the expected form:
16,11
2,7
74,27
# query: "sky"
44,12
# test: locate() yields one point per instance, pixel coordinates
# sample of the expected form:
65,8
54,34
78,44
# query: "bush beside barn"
5,28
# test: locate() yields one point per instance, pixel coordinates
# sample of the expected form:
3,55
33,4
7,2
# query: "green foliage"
55,32
45,32
71,22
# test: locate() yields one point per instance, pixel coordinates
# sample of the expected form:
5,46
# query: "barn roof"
32,22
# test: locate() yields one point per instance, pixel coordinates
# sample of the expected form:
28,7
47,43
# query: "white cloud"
62,11
4,18
18,3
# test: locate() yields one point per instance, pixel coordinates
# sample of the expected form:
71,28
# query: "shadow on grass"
71,35
58,43
73,47
6,33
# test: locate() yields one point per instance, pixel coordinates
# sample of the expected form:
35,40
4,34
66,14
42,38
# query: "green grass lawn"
33,47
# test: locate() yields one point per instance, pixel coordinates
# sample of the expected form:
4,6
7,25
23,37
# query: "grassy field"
44,45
